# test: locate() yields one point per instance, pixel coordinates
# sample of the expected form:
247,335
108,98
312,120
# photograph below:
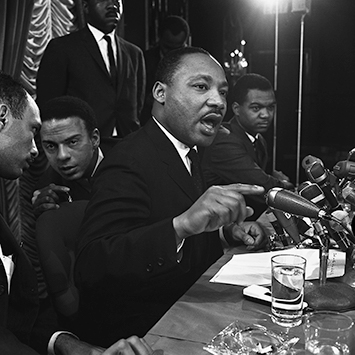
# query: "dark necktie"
111,58
259,152
196,172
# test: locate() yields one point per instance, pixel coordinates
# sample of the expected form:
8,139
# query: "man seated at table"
150,230
242,155
23,322
71,142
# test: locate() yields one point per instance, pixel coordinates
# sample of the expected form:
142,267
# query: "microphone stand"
323,252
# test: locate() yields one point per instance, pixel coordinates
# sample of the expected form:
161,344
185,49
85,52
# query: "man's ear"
95,137
159,92
235,108
4,111
85,6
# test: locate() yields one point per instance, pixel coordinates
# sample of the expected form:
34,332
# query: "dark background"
328,100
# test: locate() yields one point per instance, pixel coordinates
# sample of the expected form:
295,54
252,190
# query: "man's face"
69,147
168,41
194,104
17,145
257,112
103,14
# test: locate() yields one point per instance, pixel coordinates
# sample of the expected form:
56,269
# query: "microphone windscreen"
291,202
309,160
317,173
344,169
312,192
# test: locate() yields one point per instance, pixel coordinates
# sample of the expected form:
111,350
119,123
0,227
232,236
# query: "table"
205,310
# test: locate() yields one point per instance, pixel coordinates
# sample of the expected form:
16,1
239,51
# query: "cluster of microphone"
321,207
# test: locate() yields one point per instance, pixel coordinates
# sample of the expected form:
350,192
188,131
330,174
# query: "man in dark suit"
79,65
23,320
148,233
74,149
241,156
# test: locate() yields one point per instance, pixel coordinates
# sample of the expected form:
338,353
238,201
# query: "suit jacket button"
161,261
2,289
149,267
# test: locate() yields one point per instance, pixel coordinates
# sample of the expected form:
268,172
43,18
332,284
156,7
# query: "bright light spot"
240,54
243,63
227,65
243,43
232,54
236,51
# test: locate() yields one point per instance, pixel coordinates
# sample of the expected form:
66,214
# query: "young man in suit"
81,64
20,313
148,232
241,156
72,144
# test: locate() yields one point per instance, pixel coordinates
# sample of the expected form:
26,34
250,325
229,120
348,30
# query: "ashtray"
255,339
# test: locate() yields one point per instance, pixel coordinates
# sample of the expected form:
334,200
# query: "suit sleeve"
230,160
10,345
120,236
52,73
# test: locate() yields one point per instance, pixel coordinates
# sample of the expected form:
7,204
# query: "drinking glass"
287,289
328,333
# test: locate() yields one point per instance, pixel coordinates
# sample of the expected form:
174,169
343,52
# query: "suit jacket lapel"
121,66
8,242
241,135
93,48
169,155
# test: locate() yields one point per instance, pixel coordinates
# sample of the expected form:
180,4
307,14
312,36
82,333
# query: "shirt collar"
182,148
100,156
98,35
252,138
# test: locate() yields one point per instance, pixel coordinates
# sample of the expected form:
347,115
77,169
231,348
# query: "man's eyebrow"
77,135
208,78
261,104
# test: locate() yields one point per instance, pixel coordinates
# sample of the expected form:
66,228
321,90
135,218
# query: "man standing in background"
98,66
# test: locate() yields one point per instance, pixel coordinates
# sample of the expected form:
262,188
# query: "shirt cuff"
53,339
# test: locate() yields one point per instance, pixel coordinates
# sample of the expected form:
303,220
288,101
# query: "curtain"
15,19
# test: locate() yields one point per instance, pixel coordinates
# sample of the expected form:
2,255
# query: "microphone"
288,201
289,224
309,160
348,193
351,155
318,174
344,169
312,192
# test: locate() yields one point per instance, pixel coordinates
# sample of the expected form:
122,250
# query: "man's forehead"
62,124
191,65
256,95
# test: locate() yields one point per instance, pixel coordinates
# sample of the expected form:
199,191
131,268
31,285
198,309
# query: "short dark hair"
175,24
170,63
63,107
13,94
248,82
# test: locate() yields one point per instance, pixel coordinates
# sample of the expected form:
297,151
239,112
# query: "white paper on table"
255,268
